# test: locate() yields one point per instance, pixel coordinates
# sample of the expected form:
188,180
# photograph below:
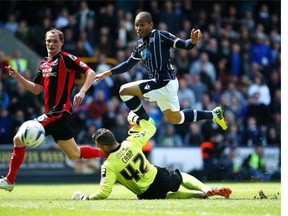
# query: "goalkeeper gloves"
79,196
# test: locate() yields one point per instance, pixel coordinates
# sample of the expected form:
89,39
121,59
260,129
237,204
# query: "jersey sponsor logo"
147,87
47,72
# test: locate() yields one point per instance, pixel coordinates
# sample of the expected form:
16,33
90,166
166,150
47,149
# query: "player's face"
53,44
142,28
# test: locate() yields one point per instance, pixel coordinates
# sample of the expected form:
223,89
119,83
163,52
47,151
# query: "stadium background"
236,63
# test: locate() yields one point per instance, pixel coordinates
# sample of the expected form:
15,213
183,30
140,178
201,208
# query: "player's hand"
101,76
195,35
12,72
78,195
132,118
78,98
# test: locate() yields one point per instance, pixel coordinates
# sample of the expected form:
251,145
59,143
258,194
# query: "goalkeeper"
127,164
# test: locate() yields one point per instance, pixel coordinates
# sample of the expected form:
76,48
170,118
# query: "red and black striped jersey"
57,76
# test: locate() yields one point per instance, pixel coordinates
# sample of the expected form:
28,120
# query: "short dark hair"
56,31
145,16
104,136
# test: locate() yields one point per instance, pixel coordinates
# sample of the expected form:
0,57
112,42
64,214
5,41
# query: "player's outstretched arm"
195,35
29,85
101,76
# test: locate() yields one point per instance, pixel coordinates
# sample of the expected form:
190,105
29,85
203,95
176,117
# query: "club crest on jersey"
145,53
54,63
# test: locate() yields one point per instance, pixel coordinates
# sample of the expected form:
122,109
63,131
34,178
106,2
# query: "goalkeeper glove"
79,196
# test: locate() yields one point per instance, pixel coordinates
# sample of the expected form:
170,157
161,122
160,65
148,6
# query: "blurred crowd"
237,65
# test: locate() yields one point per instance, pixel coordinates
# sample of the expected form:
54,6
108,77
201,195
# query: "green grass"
55,200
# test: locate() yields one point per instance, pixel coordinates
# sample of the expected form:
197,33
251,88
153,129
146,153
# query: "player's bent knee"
17,142
123,90
73,156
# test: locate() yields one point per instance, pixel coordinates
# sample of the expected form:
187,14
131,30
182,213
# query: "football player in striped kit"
162,86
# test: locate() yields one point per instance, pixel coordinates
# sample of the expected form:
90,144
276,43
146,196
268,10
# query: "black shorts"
166,180
57,125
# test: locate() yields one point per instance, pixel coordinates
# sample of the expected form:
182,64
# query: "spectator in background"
123,34
23,100
234,136
12,24
261,53
168,16
70,42
197,86
209,153
92,32
82,16
193,136
104,85
185,93
120,128
261,88
182,62
85,135
232,91
273,138
39,34
235,61
276,125
86,43
4,97
24,33
109,117
104,43
96,109
254,165
62,20
252,133
274,84
258,110
213,51
108,19
169,138
18,62
3,64
203,64
80,50
275,105
6,120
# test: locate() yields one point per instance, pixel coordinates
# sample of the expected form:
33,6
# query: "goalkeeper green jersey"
128,165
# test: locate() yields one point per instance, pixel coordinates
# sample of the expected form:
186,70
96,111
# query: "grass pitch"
55,200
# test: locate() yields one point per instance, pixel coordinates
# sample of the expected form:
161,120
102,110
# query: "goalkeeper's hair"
104,136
